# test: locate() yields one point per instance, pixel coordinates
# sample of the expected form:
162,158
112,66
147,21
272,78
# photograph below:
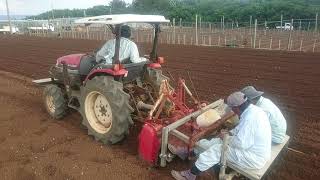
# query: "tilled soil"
33,146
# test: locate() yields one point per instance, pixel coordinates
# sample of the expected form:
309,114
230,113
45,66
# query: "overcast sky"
32,7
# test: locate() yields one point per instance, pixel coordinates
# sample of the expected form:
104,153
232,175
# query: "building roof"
122,19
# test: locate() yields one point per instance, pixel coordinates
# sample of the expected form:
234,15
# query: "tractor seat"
87,63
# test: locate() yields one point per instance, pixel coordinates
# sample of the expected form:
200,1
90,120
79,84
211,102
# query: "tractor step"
44,81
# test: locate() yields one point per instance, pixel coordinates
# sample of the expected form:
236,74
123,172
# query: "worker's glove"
223,132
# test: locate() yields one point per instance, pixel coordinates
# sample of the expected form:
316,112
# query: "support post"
301,43
270,43
314,45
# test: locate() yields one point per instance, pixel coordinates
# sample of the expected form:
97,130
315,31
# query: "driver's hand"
102,61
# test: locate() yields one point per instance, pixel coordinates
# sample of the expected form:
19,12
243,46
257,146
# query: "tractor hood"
72,60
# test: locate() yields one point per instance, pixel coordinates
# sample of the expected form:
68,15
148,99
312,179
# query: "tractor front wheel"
54,101
105,109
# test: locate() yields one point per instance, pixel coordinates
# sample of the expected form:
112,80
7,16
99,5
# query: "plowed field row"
290,79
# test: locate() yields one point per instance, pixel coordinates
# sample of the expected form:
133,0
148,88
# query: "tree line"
209,10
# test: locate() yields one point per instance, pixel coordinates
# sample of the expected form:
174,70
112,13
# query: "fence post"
180,23
174,31
265,28
301,42
219,40
316,25
251,26
290,35
232,25
221,26
197,29
255,33
184,39
314,45
200,24
88,32
279,44
259,43
270,43
225,40
281,22
223,23
210,40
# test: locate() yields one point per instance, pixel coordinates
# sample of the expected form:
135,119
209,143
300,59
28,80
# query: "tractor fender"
108,72
149,143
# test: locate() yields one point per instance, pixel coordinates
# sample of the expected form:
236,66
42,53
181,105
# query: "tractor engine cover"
72,60
149,143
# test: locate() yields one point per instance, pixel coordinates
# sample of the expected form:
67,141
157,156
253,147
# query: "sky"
33,7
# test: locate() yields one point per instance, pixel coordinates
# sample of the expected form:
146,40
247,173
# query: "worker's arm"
134,55
104,52
244,138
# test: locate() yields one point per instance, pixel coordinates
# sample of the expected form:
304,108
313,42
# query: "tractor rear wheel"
54,101
105,109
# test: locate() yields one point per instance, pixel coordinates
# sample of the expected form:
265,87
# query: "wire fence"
289,35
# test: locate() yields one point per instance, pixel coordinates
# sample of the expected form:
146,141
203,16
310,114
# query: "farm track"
291,79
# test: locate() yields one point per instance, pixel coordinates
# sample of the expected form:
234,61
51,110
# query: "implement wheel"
54,101
105,109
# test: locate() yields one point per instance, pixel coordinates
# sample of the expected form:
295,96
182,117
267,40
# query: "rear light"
160,60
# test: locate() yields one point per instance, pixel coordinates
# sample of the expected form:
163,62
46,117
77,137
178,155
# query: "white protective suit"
249,147
128,49
277,121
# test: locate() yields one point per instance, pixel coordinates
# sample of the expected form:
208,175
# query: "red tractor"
111,96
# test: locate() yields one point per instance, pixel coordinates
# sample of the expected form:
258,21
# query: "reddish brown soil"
35,147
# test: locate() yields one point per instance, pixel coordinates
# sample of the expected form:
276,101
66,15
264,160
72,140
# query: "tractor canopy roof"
122,19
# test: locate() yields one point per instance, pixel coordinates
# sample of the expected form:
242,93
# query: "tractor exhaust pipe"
141,105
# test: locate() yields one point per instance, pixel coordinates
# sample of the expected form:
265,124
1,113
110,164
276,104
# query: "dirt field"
33,146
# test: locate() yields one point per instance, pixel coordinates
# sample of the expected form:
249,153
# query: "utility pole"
8,14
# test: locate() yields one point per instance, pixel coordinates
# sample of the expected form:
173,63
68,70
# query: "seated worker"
277,121
249,146
128,49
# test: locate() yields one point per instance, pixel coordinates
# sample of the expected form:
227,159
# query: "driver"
128,49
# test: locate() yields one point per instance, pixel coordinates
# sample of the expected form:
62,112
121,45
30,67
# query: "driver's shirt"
128,49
